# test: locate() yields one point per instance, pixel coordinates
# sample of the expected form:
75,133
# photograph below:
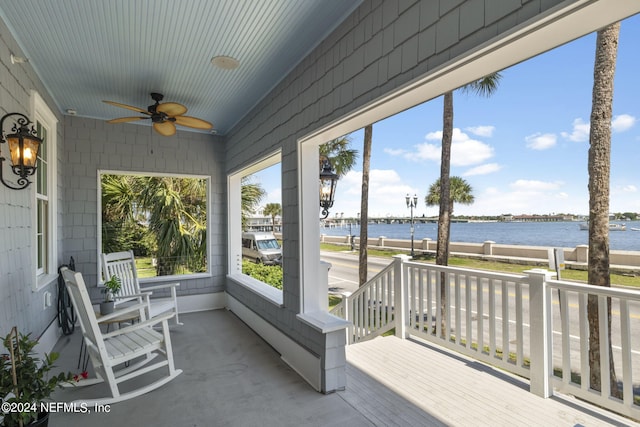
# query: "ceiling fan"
164,116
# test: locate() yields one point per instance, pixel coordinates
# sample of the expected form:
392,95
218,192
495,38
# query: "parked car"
262,248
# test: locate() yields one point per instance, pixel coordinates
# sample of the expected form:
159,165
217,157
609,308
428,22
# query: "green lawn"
574,275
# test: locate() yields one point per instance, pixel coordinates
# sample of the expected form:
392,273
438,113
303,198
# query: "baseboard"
202,302
48,339
306,364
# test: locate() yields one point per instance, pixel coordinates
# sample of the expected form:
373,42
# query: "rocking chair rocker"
108,351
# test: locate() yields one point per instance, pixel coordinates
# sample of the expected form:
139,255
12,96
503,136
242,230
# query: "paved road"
343,275
343,278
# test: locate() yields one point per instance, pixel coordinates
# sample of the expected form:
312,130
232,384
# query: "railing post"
400,295
540,332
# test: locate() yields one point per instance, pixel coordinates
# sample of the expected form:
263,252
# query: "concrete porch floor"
233,378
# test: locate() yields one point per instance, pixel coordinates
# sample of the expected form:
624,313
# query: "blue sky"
523,150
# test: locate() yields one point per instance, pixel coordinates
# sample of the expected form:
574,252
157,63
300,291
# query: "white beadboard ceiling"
86,51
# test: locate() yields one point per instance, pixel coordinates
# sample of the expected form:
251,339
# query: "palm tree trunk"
599,172
364,205
444,217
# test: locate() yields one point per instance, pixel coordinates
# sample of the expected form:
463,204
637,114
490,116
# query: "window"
255,208
163,219
44,218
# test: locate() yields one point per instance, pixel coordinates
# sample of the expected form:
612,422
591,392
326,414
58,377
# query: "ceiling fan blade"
171,109
165,128
127,119
128,107
193,122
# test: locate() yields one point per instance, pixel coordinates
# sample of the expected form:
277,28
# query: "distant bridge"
339,222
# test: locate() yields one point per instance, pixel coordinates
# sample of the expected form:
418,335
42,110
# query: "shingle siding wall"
92,145
19,305
380,47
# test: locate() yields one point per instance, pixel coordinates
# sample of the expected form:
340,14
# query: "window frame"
43,115
155,279
234,230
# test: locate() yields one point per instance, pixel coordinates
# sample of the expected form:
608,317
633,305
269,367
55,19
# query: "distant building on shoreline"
538,218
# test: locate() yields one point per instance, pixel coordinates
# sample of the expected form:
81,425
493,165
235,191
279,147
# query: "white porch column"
400,295
540,332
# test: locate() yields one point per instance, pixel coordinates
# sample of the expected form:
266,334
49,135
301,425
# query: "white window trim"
173,278
234,231
40,112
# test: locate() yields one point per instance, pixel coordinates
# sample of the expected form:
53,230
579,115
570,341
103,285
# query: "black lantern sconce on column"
328,181
24,146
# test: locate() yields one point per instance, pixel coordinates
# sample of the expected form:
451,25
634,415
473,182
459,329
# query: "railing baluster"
468,306
421,300
411,277
458,303
480,315
605,385
447,311
437,306
519,326
430,316
566,336
505,321
584,341
492,318
625,343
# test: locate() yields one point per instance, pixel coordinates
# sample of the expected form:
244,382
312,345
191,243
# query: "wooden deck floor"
233,378
396,382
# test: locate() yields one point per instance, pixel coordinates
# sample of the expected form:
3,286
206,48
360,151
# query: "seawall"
575,258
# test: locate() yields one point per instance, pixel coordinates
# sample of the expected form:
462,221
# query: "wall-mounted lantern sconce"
328,181
24,145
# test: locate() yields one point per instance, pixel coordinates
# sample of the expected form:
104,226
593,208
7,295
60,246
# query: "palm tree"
273,210
364,205
251,195
483,87
461,192
179,225
340,154
599,171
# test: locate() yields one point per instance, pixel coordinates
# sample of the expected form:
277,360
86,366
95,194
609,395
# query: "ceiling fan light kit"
225,62
164,116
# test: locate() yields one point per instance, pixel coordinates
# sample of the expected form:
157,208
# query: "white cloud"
386,193
630,188
541,141
486,131
580,131
483,169
622,122
464,150
395,151
425,151
534,185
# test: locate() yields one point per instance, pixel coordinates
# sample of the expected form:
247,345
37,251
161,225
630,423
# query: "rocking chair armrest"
155,287
135,326
121,311
140,295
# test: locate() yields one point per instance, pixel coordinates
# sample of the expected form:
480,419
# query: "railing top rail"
595,290
381,273
470,272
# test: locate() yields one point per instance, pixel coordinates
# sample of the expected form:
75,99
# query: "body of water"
551,234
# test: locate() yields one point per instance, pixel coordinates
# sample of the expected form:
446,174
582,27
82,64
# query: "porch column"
400,295
540,332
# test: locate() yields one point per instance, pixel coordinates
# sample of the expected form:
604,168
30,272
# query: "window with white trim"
45,190
250,219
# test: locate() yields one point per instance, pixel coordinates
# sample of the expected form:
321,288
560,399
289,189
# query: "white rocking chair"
109,350
123,265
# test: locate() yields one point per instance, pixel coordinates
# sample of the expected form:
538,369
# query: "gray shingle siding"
380,47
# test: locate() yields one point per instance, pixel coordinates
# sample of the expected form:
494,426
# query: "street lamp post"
412,203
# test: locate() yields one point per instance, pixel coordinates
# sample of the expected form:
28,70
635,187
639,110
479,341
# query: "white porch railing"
507,320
